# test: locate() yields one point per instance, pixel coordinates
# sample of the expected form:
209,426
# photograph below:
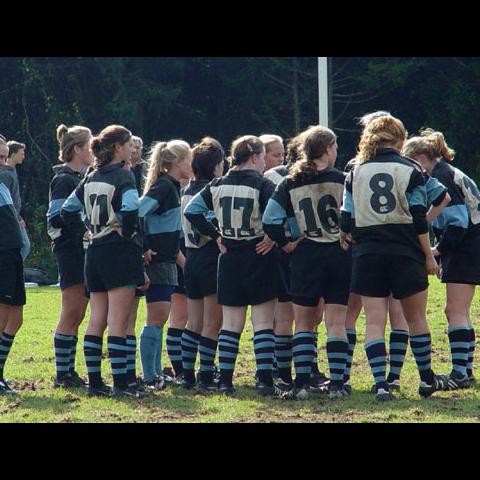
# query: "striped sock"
149,341
174,349
6,342
283,354
303,348
377,358
190,341
397,351
315,369
207,349
264,347
62,345
92,350
117,351
337,353
228,343
459,338
131,359
471,351
422,350
157,362
352,340
73,353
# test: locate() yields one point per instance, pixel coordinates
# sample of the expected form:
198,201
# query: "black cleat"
456,381
440,383
336,391
267,391
284,386
78,380
99,391
383,394
67,381
394,385
319,379
184,383
296,394
5,389
227,390
129,392
347,387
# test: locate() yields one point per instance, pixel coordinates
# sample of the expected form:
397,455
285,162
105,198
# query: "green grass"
31,369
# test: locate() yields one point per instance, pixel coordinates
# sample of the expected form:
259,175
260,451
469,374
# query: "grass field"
30,369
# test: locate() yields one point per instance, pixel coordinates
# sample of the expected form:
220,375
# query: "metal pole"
323,102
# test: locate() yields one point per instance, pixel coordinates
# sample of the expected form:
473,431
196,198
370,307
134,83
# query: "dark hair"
294,149
206,156
103,145
245,147
14,147
314,145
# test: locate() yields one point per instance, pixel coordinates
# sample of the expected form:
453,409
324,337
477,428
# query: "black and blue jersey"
11,237
460,220
193,238
384,206
238,200
109,197
314,203
160,208
62,185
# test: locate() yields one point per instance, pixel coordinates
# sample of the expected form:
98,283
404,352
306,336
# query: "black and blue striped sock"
174,349
190,341
283,354
264,347
131,359
6,342
117,352
377,359
92,350
337,353
422,351
303,348
396,352
228,343
73,353
208,350
459,338
315,369
62,345
471,351
352,340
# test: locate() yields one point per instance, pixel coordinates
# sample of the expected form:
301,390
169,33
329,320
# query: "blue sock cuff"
378,341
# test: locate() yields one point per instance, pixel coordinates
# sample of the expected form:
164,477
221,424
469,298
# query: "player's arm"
129,211
196,213
346,214
437,197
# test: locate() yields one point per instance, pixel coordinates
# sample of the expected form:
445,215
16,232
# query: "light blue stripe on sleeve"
5,197
72,204
274,214
166,223
210,215
147,205
55,207
293,226
455,215
434,189
130,201
418,196
197,205
347,205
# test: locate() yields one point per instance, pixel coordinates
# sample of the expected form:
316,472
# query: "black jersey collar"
65,169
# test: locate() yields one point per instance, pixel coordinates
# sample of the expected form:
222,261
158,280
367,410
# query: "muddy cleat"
184,383
347,386
99,391
226,390
78,380
336,391
5,389
456,381
383,394
319,379
394,385
67,381
267,391
128,392
439,383
296,394
284,386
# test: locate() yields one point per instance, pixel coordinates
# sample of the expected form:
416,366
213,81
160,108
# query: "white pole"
323,91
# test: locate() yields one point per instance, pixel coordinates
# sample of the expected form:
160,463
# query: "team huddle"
202,237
